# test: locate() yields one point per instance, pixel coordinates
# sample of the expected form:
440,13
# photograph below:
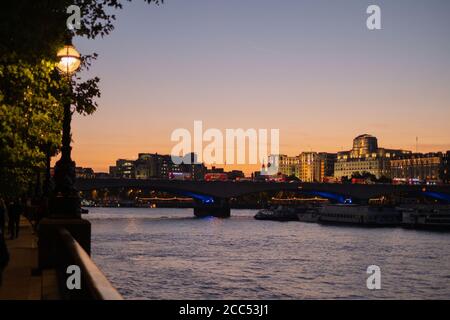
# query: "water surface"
169,254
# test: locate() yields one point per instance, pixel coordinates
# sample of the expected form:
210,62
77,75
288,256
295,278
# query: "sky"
311,69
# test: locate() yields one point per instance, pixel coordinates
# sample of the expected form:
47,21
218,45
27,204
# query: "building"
156,166
192,166
123,169
315,166
287,165
365,156
102,175
166,167
84,173
363,145
272,167
146,166
215,170
308,166
446,167
327,161
231,175
419,167
198,169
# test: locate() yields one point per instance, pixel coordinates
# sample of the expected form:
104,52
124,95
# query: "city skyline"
365,158
243,151
286,67
250,169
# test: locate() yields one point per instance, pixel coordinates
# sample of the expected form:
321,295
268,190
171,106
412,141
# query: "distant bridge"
214,195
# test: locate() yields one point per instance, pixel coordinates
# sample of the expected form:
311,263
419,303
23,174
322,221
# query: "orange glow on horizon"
100,156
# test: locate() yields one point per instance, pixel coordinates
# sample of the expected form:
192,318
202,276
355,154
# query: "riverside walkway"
19,283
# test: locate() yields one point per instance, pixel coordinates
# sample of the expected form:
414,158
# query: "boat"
431,218
310,215
280,213
359,215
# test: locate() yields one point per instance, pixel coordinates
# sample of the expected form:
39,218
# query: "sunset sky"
309,68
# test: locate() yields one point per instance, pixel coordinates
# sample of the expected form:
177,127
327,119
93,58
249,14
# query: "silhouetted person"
10,219
4,255
3,213
14,219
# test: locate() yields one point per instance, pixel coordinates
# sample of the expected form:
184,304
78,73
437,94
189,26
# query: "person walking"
15,211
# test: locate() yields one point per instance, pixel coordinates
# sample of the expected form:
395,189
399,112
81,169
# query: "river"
169,254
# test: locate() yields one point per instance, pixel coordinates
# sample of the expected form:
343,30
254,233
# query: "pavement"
18,281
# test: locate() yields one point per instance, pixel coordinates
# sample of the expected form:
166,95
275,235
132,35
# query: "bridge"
212,197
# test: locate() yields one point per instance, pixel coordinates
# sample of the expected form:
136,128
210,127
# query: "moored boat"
426,218
310,215
279,213
359,215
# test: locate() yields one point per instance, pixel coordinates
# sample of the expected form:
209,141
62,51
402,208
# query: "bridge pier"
216,207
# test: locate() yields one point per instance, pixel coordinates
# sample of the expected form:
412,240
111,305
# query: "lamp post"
65,209
66,203
69,60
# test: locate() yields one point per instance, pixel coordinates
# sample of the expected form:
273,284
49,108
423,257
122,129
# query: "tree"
384,179
345,179
36,29
31,91
30,114
371,177
364,175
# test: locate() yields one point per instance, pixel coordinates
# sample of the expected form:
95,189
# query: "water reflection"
169,254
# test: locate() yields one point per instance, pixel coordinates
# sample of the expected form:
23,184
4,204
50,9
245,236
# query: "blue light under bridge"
203,198
437,195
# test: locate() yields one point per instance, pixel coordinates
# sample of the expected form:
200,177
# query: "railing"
94,284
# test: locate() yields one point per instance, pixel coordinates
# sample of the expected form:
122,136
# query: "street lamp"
65,206
69,60
66,202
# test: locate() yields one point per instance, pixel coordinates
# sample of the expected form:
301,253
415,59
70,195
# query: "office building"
156,166
365,156
419,167
123,169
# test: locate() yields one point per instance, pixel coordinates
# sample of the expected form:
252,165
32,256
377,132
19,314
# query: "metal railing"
94,284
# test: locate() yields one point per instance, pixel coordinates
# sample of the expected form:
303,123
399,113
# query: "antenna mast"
417,144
